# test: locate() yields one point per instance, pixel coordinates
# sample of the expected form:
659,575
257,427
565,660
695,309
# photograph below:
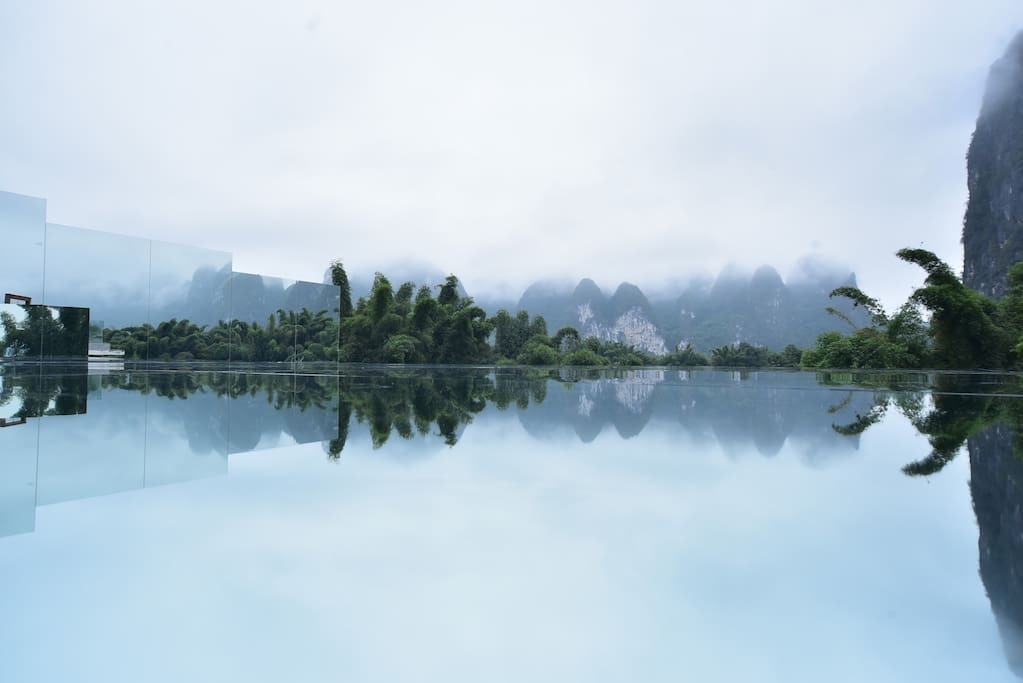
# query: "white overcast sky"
506,141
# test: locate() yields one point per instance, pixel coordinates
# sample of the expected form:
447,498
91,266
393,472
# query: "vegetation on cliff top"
966,329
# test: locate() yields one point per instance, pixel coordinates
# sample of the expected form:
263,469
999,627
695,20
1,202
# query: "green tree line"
965,330
402,403
411,325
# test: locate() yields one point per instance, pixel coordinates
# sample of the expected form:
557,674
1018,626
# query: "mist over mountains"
737,306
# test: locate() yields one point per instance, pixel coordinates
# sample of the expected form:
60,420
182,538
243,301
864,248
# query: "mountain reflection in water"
72,433
985,413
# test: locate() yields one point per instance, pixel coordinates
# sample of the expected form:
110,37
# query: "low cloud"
615,140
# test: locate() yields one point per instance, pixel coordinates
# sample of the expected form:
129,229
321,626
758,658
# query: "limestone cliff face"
632,328
761,309
993,226
625,317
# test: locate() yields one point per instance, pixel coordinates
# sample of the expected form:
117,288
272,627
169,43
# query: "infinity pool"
473,524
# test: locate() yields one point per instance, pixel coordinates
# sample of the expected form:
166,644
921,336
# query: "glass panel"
66,333
189,302
22,233
19,337
186,439
256,417
316,334
270,411
44,332
279,320
263,327
106,273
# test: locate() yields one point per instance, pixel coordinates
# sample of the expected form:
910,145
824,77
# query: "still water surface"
509,525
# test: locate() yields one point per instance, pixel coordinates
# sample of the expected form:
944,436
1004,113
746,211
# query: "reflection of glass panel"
19,440
70,394
94,454
22,233
256,423
14,392
313,412
270,411
185,439
107,273
36,393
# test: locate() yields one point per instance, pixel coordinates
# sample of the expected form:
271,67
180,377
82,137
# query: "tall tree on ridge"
339,278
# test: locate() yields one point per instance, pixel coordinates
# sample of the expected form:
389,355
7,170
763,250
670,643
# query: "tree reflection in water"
984,414
399,402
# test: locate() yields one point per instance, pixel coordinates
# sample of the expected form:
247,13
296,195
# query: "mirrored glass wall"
153,300
35,332
22,233
277,320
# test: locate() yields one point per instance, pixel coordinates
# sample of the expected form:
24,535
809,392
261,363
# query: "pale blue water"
646,526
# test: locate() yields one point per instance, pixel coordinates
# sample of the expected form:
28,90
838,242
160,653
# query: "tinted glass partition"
189,299
106,273
152,300
65,332
189,283
43,332
17,340
262,329
22,233
316,334
276,320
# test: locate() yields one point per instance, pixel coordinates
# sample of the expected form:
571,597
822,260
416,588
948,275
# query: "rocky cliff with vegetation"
735,307
993,226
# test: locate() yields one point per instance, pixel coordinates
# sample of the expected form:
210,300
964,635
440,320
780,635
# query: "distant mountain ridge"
761,309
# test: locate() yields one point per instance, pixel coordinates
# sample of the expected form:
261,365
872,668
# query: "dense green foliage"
287,336
399,402
409,325
966,330
746,355
45,332
395,327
